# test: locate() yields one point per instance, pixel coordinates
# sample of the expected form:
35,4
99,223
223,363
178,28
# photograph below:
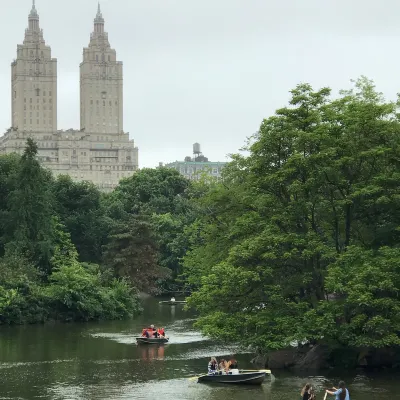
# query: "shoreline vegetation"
298,243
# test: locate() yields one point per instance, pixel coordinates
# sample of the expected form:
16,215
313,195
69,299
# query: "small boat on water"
172,303
242,378
151,340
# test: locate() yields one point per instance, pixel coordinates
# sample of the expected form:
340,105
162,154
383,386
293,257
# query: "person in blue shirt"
340,394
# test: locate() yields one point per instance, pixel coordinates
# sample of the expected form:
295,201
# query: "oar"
192,378
325,395
267,371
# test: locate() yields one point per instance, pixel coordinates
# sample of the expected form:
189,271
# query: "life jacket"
161,331
144,332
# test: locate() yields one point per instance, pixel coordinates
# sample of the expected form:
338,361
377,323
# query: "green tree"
320,178
80,207
8,170
132,252
29,223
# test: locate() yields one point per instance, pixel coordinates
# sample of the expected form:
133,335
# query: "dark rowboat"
145,340
244,378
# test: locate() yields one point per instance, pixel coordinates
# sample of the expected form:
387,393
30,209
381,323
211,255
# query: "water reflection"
152,352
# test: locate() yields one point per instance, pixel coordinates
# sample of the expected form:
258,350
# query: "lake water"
102,361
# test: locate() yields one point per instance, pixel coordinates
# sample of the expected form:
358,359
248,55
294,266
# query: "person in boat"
213,366
154,332
231,365
172,299
222,365
308,393
161,332
341,393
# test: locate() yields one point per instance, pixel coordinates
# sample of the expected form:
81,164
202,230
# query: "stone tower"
101,84
34,82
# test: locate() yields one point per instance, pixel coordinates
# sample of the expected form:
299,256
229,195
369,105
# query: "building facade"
195,167
100,151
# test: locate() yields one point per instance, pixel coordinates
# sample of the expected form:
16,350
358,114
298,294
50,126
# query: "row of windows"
37,114
37,100
103,58
104,103
38,107
191,170
37,122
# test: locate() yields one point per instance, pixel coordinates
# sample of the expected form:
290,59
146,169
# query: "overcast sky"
209,71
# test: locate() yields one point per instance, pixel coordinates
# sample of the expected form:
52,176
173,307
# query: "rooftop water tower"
196,150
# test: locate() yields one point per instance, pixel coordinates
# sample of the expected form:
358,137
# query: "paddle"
192,378
325,395
267,371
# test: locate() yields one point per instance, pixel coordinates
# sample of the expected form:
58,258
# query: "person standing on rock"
341,394
307,393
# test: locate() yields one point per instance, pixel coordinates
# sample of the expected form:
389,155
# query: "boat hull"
144,340
246,378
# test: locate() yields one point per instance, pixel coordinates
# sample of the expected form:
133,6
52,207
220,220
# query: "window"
97,58
50,93
102,57
97,102
91,101
25,100
104,103
44,93
109,58
37,122
37,92
30,100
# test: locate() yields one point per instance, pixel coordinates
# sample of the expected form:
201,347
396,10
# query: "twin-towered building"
100,151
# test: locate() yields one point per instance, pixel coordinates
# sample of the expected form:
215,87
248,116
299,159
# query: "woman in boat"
213,366
342,393
222,365
307,393
231,365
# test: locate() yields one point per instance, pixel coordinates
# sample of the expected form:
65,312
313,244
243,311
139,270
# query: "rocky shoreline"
321,356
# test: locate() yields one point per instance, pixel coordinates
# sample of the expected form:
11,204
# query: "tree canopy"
300,241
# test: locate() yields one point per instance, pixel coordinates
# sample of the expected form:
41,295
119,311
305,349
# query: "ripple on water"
175,337
177,389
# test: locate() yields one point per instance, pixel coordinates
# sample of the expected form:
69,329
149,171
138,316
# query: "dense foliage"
301,240
69,252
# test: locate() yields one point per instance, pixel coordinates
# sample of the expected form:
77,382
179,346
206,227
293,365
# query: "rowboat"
172,303
243,378
145,340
